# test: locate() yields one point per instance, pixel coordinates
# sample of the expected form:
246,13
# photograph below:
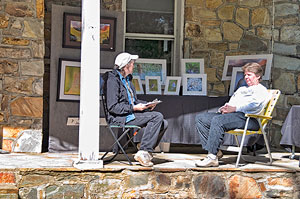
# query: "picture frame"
265,60
72,32
237,80
136,81
68,80
172,85
108,33
153,85
150,67
192,66
194,84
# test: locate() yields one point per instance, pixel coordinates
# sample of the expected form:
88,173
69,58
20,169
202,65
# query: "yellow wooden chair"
263,119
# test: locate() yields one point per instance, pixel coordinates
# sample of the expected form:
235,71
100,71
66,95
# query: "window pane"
151,49
150,16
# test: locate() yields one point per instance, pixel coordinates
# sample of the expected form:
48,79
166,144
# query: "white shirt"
250,99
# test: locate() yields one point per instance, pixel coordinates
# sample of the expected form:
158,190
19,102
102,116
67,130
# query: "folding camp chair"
126,131
262,119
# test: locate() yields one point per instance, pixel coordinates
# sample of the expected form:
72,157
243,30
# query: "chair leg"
237,140
123,151
267,145
114,156
238,145
292,156
130,138
133,144
117,141
242,143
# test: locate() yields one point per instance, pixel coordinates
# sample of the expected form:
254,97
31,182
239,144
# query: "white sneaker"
207,162
144,158
138,146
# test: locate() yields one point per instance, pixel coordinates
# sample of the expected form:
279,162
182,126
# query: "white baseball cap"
124,58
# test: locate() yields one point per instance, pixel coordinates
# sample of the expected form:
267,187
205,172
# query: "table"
181,111
290,130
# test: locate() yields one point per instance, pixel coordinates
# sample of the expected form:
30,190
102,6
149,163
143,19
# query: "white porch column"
89,86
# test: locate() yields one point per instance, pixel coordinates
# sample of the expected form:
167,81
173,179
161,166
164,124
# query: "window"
151,30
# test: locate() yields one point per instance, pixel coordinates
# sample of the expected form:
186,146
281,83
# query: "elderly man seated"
247,99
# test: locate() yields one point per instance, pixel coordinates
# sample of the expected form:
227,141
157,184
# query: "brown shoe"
143,157
219,154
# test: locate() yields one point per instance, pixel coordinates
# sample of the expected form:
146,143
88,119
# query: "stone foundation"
148,183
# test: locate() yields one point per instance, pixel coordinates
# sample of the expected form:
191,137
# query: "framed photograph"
239,61
192,66
68,80
72,32
237,80
194,84
108,33
172,85
136,81
153,85
150,67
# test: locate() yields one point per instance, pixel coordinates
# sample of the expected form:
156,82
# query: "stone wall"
30,183
215,29
286,67
21,64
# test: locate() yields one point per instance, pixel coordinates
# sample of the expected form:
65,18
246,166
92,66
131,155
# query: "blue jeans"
155,127
212,127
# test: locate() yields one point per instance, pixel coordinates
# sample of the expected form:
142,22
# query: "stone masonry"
21,64
193,183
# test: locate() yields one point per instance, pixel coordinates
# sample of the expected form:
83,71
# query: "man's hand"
227,109
151,106
139,107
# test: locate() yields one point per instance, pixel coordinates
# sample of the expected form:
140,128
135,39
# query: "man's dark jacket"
117,99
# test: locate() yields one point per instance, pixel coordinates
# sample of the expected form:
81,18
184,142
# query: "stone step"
8,191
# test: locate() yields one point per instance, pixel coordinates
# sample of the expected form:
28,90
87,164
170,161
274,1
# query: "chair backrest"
105,110
102,93
271,104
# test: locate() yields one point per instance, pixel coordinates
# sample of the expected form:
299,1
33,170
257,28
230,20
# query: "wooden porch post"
89,87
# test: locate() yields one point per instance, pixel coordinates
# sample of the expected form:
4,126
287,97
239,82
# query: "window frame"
177,37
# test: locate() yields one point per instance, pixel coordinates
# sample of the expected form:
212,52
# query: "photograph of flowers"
192,66
194,84
153,85
172,86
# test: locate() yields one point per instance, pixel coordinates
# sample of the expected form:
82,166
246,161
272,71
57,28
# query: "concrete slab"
162,161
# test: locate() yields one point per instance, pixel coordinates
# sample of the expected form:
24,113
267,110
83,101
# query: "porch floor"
162,162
